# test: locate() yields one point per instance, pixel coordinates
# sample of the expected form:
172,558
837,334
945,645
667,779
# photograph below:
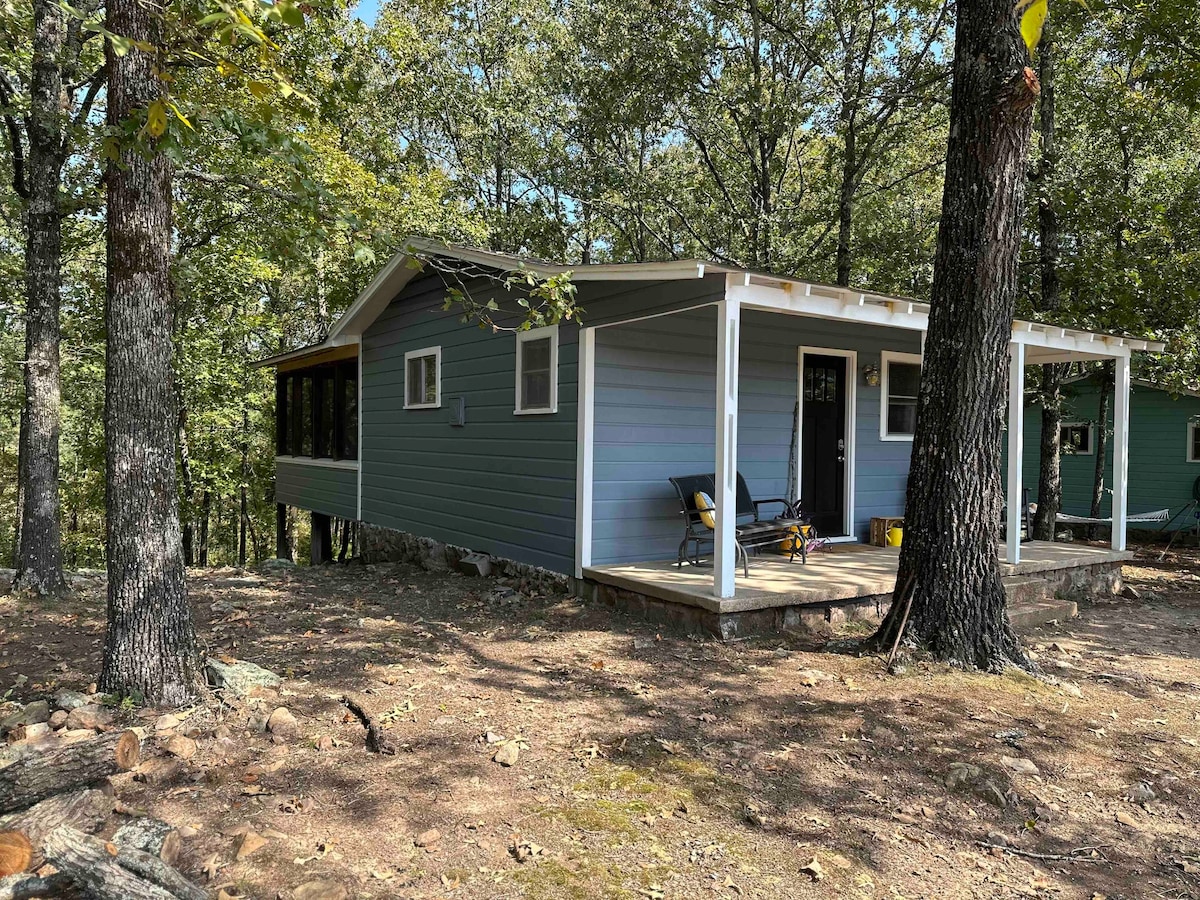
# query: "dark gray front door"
823,445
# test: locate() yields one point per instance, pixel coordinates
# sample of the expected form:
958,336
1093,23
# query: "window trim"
436,353
1091,430
886,358
537,334
1193,433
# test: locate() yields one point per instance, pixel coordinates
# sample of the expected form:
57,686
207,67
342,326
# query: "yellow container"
894,536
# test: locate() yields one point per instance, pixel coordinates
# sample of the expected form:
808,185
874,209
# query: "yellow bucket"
895,536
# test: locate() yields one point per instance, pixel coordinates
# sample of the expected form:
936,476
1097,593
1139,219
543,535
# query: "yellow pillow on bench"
705,507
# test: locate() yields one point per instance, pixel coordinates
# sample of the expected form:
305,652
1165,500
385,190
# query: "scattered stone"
36,730
997,838
508,754
444,720
1129,592
961,776
428,838
1020,765
813,869
58,719
30,714
324,743
250,842
813,677
67,699
1141,793
282,723
91,717
320,890
180,746
275,565
1011,736
1126,819
782,652
239,677
167,722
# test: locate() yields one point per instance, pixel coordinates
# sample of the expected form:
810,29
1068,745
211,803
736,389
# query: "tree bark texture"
125,874
952,520
1049,497
43,774
38,559
85,809
150,647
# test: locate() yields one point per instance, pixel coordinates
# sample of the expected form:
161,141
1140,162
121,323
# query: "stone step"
1032,613
1026,589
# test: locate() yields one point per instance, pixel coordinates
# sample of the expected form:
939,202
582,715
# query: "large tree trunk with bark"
150,647
1049,501
948,563
38,559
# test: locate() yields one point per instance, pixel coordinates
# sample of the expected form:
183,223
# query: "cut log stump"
85,809
37,776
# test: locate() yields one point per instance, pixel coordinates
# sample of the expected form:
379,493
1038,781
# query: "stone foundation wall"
1083,582
378,544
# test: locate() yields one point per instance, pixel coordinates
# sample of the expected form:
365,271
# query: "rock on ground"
239,677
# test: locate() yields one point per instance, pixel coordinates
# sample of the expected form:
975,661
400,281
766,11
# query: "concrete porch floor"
839,572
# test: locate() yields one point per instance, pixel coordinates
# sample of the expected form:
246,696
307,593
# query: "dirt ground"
657,766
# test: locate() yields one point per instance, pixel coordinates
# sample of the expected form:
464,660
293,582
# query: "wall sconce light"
871,375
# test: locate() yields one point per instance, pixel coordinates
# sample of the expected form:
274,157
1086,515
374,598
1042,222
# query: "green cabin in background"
1164,448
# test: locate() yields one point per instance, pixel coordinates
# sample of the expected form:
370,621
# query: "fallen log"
105,871
34,887
43,774
151,836
86,810
377,739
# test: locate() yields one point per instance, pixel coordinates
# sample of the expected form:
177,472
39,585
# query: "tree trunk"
39,556
186,507
150,647
948,562
1049,501
1107,379
244,509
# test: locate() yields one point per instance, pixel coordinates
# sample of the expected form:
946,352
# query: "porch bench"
748,535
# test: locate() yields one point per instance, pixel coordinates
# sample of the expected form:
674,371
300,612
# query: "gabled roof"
407,264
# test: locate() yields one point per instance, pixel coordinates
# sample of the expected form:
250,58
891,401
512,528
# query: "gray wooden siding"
323,489
503,484
655,417
1159,474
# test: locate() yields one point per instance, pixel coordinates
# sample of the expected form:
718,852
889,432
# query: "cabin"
1164,454
549,450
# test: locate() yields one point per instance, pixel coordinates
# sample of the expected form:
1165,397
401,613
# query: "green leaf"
1033,18
156,119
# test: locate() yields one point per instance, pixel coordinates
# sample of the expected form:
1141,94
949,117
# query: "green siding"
1159,474
324,489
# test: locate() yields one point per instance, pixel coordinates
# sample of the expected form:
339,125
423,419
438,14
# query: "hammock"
1158,515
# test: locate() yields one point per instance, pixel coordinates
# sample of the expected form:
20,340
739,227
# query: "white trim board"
851,419
584,450
885,357
436,353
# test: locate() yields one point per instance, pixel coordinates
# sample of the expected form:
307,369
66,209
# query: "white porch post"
584,460
729,320
1016,447
1120,459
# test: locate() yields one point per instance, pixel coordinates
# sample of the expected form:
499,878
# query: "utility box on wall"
458,411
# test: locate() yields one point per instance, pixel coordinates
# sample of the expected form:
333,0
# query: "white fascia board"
809,303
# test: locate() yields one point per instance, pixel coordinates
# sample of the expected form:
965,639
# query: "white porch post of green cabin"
729,320
1120,455
1016,446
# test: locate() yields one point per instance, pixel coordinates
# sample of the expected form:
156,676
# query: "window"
316,411
423,378
899,387
537,371
1076,438
1193,442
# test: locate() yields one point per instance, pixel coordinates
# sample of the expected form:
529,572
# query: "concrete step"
1032,613
1026,589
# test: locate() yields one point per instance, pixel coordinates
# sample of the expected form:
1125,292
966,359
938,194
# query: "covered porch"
712,386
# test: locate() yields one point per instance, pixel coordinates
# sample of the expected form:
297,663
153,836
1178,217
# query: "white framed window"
1075,439
423,378
1193,442
899,384
537,371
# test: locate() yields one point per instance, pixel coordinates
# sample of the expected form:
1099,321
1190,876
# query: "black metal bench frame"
759,532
